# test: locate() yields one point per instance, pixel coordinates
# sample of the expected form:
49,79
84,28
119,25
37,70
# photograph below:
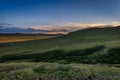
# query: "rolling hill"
88,54
93,42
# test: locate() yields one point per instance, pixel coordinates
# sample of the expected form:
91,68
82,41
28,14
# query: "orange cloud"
116,23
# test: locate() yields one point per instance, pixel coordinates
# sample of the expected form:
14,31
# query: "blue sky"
27,13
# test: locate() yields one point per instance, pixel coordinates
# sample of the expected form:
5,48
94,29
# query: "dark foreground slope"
54,71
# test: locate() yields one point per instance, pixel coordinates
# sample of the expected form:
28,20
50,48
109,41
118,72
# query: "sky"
58,15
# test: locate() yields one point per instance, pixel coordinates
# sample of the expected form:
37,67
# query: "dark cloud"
5,25
28,30
19,30
1,27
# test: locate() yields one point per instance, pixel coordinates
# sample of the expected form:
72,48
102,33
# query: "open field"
19,38
108,37
90,54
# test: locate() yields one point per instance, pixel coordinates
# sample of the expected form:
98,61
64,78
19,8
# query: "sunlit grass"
18,38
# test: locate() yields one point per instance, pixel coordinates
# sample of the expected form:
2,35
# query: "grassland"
54,71
19,38
90,54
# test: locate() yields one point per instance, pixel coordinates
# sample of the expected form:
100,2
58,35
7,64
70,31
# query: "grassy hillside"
74,42
89,54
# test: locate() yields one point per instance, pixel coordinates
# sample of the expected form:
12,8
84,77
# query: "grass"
19,38
90,54
54,71
77,40
112,57
55,55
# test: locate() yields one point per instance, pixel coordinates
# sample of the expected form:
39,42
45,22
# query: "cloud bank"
70,27
53,29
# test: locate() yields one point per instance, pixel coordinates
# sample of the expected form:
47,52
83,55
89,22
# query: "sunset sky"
58,15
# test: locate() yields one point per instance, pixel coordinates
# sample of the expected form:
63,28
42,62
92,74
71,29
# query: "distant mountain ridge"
29,34
8,28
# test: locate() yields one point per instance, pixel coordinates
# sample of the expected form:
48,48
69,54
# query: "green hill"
89,54
83,46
